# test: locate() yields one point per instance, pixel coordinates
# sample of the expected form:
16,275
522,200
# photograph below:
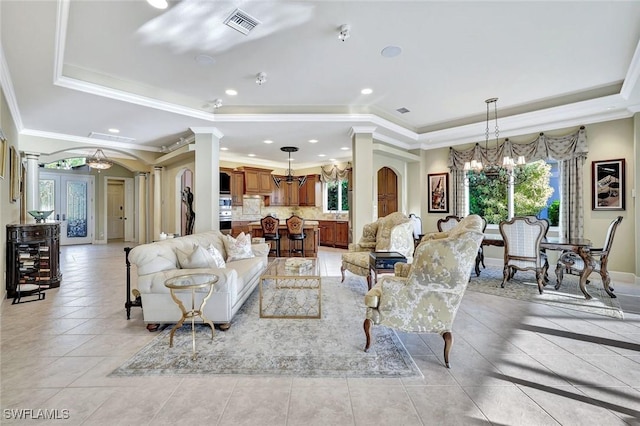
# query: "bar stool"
295,228
270,233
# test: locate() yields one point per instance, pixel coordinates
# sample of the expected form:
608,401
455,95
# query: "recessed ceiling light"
366,91
332,159
203,59
322,155
313,140
252,155
113,130
224,148
267,141
231,92
158,4
345,148
391,51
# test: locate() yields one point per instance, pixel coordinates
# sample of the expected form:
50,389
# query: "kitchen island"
311,241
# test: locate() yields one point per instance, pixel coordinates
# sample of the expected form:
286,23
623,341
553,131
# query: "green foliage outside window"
490,200
338,196
554,213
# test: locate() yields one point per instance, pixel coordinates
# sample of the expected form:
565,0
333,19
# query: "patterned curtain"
570,151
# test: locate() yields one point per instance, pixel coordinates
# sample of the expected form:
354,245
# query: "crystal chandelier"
492,173
99,161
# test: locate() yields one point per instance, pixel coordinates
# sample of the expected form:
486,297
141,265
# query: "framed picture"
14,174
438,192
607,185
3,154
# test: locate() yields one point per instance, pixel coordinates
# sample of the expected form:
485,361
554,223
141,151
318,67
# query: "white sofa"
156,262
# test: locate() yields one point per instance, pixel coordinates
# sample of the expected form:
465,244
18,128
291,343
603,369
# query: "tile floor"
513,363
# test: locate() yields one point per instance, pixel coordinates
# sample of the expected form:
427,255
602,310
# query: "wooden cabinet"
387,192
237,188
327,232
33,258
342,234
287,194
257,181
334,233
307,191
239,226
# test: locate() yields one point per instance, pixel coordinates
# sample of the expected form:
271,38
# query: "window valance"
333,173
544,147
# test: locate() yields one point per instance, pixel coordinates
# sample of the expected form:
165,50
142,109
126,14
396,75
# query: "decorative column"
206,191
32,184
363,198
157,202
141,196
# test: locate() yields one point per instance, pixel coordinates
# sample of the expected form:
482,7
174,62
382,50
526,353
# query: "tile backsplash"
253,208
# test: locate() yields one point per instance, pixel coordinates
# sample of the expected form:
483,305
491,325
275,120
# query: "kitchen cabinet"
239,226
327,232
342,234
287,194
257,181
387,192
334,233
307,191
237,188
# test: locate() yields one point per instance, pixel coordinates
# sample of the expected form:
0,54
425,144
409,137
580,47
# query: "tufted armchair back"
427,300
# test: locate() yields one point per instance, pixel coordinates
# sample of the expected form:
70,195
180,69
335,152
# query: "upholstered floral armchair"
426,299
393,232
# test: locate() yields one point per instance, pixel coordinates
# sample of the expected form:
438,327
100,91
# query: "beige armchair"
393,232
424,297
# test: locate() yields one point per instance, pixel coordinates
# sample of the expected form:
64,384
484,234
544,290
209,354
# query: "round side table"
191,282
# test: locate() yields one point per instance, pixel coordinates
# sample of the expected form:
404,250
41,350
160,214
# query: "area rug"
523,287
331,346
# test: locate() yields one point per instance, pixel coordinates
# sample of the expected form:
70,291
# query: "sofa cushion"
196,257
217,256
238,248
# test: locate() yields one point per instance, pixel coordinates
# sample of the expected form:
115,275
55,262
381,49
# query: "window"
538,194
336,196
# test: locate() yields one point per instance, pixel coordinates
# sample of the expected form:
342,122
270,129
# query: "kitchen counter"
310,229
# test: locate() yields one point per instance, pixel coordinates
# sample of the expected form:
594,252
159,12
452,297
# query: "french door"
69,196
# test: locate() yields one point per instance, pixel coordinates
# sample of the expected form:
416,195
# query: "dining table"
581,246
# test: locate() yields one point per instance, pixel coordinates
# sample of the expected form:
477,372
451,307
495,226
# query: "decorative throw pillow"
238,248
217,256
198,257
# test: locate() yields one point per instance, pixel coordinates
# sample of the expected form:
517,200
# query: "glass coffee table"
291,291
191,283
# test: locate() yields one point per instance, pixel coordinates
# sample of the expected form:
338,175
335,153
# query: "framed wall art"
3,154
14,174
438,184
607,185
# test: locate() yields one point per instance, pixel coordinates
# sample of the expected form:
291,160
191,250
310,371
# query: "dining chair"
270,233
571,263
295,229
448,222
522,237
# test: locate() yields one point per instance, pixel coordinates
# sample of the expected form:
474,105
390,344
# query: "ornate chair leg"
367,332
559,275
448,342
506,275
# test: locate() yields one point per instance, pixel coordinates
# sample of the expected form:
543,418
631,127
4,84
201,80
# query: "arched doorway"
387,192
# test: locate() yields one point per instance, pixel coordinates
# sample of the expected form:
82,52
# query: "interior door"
115,210
69,196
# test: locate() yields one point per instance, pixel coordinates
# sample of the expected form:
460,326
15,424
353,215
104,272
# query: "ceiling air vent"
403,110
106,137
241,21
